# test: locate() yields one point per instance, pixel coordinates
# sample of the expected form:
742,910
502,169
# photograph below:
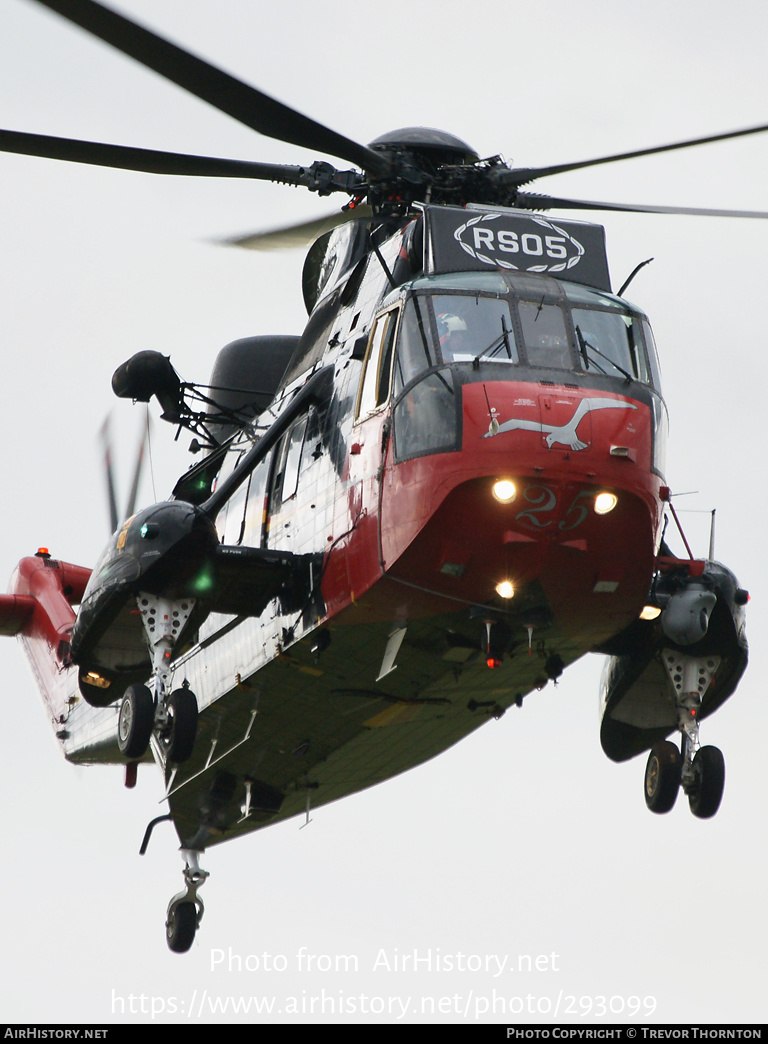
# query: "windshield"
545,332
474,327
609,342
544,335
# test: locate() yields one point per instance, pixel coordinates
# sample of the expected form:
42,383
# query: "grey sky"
524,840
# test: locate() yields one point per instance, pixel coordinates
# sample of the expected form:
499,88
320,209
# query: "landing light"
650,612
605,502
92,678
505,589
504,491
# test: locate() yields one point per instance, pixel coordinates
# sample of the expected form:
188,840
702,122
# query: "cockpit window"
610,343
580,330
471,328
415,351
544,335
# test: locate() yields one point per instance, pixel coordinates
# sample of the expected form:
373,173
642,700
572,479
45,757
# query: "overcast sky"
524,839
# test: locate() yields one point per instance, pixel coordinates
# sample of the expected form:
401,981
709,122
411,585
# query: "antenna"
712,536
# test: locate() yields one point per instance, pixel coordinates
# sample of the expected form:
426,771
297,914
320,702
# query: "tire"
662,777
709,768
135,721
180,927
181,731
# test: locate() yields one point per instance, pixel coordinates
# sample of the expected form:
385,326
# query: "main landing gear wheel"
709,782
701,772
135,721
181,730
181,926
662,777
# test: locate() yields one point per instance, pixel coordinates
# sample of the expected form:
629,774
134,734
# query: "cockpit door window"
427,417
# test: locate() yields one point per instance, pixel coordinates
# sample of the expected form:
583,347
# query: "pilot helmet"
448,324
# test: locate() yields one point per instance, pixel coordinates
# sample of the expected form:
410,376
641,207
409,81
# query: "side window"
374,388
660,433
294,456
293,444
285,478
255,514
230,520
636,348
653,357
234,527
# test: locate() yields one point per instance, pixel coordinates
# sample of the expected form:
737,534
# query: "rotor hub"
437,146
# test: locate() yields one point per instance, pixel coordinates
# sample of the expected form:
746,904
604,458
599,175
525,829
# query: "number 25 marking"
544,501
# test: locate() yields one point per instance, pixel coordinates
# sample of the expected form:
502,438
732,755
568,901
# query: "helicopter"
537,369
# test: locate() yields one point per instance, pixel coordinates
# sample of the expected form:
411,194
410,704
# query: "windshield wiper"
584,344
494,346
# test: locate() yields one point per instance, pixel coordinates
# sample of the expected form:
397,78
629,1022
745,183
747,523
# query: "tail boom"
39,611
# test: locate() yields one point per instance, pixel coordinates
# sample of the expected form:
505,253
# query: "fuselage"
392,483
434,598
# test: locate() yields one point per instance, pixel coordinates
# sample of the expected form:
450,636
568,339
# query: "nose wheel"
700,771
180,927
172,715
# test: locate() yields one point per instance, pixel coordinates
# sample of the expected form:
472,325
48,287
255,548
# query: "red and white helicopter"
426,507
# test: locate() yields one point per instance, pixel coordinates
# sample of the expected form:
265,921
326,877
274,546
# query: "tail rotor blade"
106,440
131,505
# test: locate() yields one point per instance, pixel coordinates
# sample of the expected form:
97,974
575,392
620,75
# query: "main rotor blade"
299,235
148,160
239,100
531,173
533,201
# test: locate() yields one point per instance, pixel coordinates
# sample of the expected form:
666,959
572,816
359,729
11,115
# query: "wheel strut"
185,910
700,771
145,709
